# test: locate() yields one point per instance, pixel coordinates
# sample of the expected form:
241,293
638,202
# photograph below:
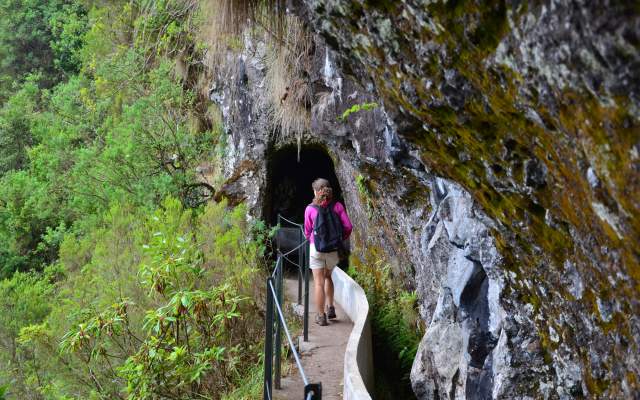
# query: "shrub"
397,328
164,308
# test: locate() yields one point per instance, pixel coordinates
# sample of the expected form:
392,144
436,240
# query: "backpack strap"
329,206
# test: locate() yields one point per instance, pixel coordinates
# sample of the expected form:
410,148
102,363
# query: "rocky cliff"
496,168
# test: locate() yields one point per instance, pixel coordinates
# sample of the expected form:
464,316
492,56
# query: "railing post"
277,238
300,264
268,344
278,345
313,391
305,328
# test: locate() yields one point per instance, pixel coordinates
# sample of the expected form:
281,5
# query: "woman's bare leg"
318,284
328,287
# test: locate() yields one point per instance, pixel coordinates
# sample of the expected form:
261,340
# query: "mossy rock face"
533,108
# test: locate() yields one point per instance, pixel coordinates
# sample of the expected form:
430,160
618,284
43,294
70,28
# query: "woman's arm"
308,222
347,227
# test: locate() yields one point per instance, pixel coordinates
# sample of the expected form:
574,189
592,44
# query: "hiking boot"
331,312
321,319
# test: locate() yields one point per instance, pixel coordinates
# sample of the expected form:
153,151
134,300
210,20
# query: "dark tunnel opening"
289,190
289,181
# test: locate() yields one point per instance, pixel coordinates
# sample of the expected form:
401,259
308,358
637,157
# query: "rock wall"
499,176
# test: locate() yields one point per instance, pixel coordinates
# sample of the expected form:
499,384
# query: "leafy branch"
357,108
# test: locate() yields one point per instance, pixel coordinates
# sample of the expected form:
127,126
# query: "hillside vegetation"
116,281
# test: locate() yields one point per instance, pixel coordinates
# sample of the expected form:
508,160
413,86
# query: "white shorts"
319,260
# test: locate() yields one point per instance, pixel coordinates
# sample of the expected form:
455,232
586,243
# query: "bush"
397,328
164,308
24,300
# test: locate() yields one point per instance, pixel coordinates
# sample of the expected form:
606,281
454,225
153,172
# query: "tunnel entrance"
289,181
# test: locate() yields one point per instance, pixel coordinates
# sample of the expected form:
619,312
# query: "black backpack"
327,229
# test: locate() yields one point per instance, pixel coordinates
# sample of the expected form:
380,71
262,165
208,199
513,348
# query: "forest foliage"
115,280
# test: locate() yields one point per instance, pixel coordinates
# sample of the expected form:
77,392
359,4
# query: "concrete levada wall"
358,358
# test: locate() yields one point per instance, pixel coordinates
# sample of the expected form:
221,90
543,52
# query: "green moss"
473,29
361,184
484,134
364,193
538,228
632,381
547,346
595,386
492,28
387,6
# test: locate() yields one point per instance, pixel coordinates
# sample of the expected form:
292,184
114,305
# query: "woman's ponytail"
324,193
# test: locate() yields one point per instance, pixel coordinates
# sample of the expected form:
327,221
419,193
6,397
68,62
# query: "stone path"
322,357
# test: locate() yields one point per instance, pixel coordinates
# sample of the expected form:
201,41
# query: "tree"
15,127
39,37
24,300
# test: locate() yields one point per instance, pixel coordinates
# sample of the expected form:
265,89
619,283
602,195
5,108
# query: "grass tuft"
288,63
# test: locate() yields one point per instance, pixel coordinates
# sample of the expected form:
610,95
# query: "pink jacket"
311,213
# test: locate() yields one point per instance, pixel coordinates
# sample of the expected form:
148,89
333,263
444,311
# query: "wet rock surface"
499,176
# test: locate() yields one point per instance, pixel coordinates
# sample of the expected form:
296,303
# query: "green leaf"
3,391
357,108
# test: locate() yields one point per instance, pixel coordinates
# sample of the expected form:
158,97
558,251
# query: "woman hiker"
326,225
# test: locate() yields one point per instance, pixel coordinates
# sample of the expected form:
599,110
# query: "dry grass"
227,20
238,14
214,32
288,63
225,24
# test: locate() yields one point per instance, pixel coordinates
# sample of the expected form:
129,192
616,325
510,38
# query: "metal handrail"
280,217
294,249
286,332
291,262
284,255
275,294
302,257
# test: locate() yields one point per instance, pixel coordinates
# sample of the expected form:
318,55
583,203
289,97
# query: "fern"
357,108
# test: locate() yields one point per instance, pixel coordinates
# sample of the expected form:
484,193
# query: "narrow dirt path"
322,357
